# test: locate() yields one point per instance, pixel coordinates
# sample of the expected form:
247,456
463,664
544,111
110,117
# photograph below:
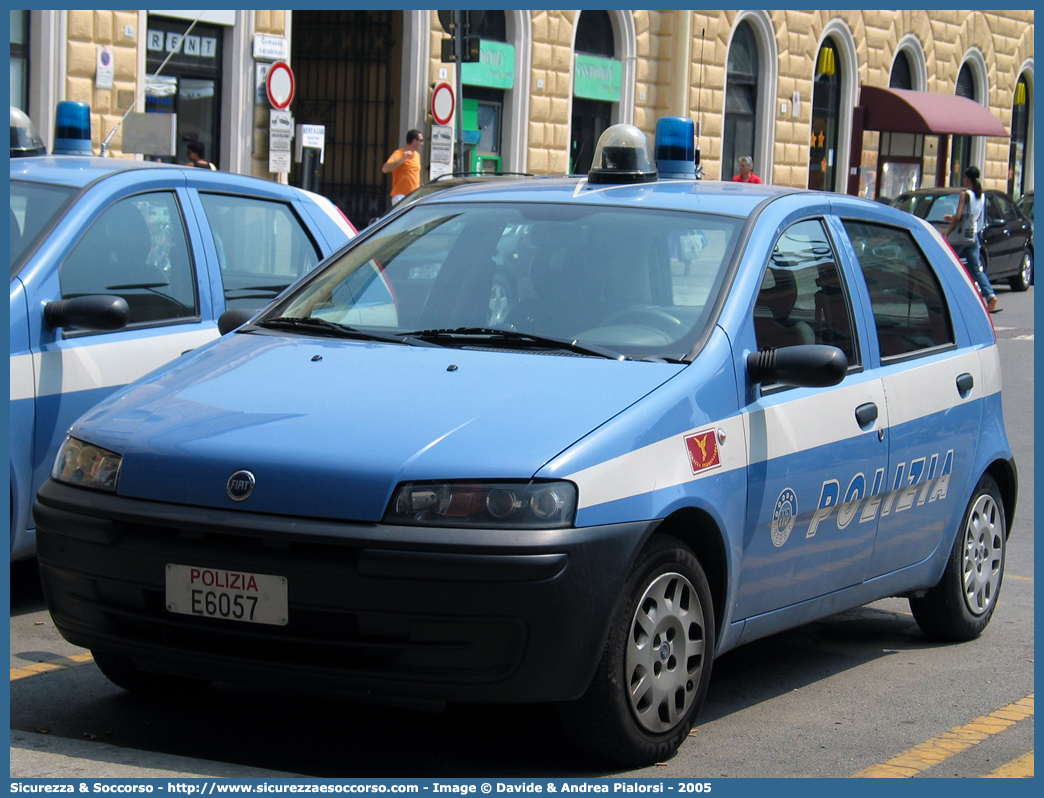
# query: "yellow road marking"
923,756
1019,768
1024,578
52,665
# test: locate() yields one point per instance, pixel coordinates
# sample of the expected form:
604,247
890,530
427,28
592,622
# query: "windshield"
34,206
636,282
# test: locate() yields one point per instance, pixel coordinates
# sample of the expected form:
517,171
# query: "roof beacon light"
24,138
676,147
623,155
72,129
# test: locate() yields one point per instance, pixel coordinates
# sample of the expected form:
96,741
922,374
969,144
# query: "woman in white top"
972,202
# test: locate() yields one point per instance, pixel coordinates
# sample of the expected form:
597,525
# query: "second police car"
712,412
118,266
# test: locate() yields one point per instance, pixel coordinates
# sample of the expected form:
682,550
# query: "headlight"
88,466
507,505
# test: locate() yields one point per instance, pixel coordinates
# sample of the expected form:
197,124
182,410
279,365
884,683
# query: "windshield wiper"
327,328
468,334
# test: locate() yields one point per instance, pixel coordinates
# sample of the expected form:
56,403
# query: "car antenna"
699,105
171,54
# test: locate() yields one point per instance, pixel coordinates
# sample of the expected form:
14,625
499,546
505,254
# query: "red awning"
903,111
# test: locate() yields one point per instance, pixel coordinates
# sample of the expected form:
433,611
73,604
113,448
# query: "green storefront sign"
597,78
495,68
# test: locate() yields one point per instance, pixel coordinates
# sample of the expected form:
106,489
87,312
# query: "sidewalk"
40,756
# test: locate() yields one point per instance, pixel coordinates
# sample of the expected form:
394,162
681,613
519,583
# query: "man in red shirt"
405,166
746,171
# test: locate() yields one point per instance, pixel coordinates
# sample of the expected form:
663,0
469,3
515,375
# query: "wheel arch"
1007,479
698,530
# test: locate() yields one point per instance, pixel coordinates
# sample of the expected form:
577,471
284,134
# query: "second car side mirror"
235,318
96,312
803,366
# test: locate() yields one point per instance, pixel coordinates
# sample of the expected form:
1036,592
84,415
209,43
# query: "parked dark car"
1025,204
1007,251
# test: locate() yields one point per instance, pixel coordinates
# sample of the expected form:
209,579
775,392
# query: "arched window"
594,34
595,48
741,101
962,145
902,72
1019,157
826,112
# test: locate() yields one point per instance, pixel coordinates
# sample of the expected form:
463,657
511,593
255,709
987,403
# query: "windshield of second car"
932,207
34,206
637,282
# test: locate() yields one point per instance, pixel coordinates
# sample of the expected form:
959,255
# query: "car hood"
329,428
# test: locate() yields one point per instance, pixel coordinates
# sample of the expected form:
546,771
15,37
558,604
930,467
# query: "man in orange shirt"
405,166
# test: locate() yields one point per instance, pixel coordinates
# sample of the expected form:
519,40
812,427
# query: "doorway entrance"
345,67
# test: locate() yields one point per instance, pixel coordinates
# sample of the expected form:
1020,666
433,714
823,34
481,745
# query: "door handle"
866,415
965,383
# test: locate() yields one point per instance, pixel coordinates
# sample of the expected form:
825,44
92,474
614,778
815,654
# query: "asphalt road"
861,692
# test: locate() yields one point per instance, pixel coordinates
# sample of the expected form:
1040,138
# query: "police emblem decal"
240,485
702,448
783,517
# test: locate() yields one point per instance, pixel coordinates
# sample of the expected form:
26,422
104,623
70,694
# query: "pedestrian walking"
405,166
966,225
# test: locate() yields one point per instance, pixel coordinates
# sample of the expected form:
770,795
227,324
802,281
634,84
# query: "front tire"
653,675
961,605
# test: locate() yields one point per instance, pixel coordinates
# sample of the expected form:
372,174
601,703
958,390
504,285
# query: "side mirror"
235,318
98,312
803,366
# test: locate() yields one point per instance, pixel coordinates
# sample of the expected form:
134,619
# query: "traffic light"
471,50
469,25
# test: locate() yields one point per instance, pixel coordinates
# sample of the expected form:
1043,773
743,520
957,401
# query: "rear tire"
1024,279
122,672
961,605
653,675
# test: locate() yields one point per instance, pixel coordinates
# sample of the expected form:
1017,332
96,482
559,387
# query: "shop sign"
160,41
597,78
310,137
495,68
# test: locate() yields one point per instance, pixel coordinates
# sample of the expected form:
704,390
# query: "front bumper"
461,615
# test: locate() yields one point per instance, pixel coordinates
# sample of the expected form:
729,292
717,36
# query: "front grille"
397,629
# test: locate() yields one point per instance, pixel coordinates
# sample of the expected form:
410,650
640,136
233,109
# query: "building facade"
861,102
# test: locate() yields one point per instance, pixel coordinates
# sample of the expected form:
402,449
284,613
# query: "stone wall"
1005,39
87,30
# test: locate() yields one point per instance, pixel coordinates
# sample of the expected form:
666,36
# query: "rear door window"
262,247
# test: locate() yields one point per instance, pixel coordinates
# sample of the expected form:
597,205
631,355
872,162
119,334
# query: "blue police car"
119,266
711,412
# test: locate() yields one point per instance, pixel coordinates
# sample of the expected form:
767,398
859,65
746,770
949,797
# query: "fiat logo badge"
240,485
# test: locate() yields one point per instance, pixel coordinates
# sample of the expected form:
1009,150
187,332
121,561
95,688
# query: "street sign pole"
458,36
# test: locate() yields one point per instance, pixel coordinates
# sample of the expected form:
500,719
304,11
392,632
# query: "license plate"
231,595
